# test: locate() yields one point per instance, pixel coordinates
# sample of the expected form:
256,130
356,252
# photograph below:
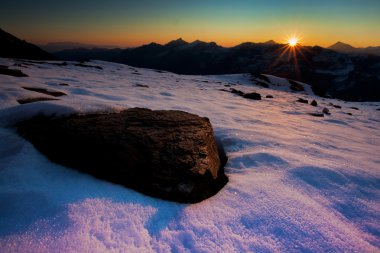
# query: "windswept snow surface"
298,183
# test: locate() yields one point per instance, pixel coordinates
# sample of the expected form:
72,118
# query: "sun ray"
283,51
291,50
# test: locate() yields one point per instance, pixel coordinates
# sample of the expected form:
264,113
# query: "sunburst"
293,41
291,51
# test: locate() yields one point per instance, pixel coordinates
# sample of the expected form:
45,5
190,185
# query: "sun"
293,41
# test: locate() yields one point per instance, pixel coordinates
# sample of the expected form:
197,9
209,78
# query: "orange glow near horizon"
126,23
227,37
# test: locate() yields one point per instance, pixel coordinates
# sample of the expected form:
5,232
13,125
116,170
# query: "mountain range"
347,76
55,47
331,73
346,48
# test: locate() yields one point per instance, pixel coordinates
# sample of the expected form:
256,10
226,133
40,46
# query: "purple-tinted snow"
298,183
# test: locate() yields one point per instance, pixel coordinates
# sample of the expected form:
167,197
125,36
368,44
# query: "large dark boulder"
167,154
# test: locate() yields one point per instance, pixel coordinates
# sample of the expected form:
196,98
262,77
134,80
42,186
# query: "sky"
132,23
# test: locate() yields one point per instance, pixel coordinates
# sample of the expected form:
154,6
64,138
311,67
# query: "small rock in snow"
326,111
301,100
314,103
252,95
316,114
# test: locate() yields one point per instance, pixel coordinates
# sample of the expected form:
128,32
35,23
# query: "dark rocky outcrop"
295,86
166,154
45,91
262,77
33,100
141,85
316,114
337,106
261,80
11,72
238,92
269,96
314,103
252,95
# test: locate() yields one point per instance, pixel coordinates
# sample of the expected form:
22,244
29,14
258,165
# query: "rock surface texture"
167,154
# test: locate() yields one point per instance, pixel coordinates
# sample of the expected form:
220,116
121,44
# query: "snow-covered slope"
298,183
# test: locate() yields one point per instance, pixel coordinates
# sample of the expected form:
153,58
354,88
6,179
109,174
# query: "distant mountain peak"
270,42
176,43
151,44
195,42
180,40
341,46
203,43
342,43
346,48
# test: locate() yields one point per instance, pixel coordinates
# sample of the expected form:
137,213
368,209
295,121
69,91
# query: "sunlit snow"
297,182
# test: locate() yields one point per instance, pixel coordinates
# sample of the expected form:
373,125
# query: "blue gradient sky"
131,23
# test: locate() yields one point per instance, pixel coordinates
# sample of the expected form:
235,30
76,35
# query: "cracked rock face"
167,154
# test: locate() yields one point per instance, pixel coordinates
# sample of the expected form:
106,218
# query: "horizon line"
108,46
